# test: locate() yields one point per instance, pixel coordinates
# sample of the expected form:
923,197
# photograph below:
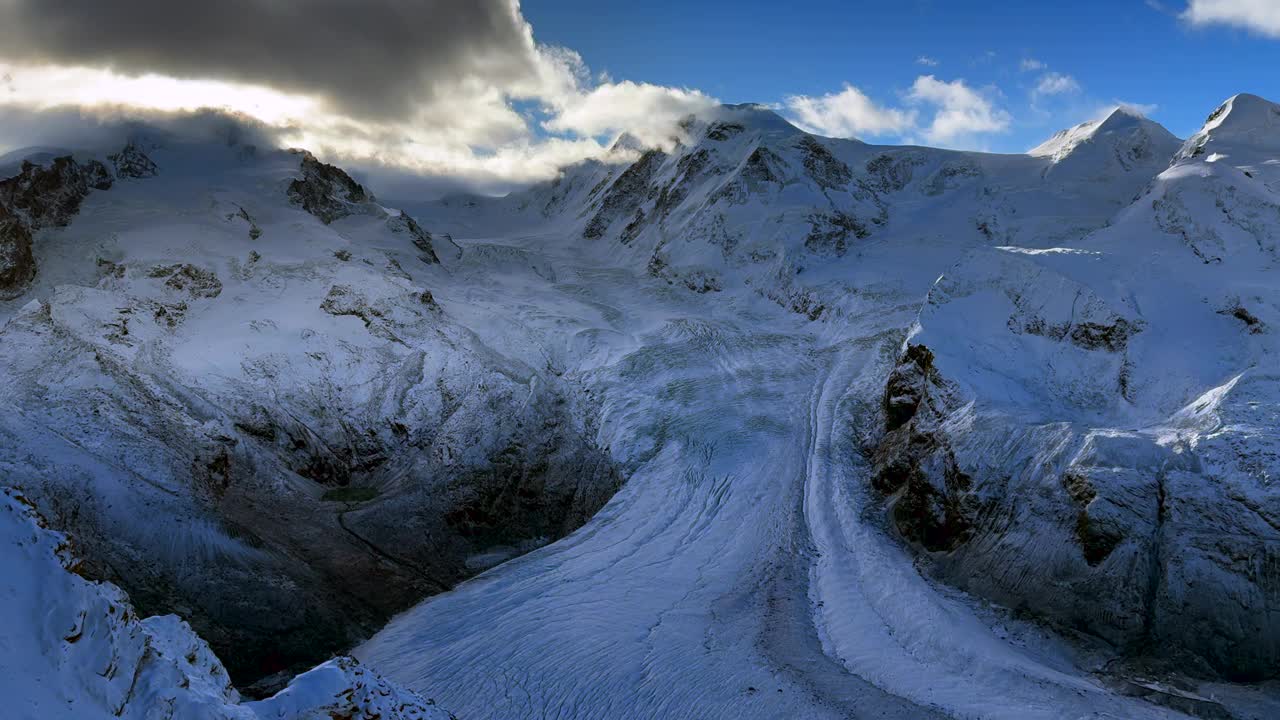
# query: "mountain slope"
1084,430
246,350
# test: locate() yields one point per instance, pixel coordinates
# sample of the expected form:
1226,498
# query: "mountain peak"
627,143
1124,133
754,116
1244,122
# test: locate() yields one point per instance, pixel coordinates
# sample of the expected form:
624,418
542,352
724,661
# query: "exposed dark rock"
187,278
721,131
907,386
931,497
1242,314
40,197
169,315
422,239
950,176
688,171
131,162
830,233
345,300
326,191
892,172
17,264
255,232
1113,337
625,196
823,167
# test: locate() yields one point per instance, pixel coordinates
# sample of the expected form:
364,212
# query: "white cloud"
1260,16
848,113
1032,65
1055,83
951,114
926,61
960,111
648,111
475,134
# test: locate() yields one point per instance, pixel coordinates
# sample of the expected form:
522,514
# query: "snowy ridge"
1125,133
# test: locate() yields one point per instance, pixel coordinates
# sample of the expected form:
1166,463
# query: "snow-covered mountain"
245,350
1116,397
839,380
1123,139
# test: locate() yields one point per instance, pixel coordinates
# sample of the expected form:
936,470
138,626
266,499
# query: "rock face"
40,197
132,163
326,191
330,194
1089,433
17,264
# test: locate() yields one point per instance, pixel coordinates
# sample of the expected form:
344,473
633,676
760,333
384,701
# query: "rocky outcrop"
17,263
822,167
327,191
422,239
132,163
931,498
188,280
40,197
831,233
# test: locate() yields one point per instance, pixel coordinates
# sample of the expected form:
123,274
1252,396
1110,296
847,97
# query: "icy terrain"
841,381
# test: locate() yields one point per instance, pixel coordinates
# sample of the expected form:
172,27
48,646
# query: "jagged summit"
1124,134
1244,122
627,143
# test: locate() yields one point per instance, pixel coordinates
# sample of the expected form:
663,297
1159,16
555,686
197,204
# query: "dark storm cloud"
372,58
102,130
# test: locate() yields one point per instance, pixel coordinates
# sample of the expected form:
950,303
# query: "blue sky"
1101,52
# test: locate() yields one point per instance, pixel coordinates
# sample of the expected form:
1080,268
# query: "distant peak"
754,117
1124,133
627,143
1124,114
1243,121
